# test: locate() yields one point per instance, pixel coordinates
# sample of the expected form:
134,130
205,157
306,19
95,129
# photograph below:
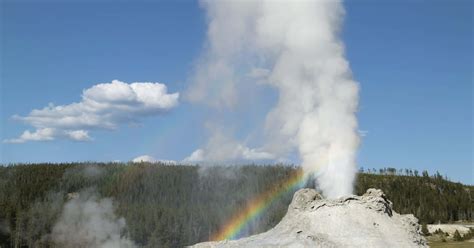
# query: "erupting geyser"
295,47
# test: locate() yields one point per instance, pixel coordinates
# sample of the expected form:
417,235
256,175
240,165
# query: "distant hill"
175,205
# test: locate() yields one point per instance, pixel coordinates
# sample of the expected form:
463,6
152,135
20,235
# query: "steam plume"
294,47
87,221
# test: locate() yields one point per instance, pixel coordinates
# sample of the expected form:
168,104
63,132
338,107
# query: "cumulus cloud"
46,134
236,153
79,135
41,134
196,157
144,158
150,159
223,148
103,106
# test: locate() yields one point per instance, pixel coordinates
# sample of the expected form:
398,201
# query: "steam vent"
353,221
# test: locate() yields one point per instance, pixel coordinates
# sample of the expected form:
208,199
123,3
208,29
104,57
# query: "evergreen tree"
424,229
457,236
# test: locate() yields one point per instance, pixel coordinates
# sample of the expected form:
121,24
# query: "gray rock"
353,221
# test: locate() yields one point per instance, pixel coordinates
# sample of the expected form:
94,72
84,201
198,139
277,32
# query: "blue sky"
413,60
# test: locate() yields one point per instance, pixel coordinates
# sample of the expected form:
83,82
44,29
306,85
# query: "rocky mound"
354,221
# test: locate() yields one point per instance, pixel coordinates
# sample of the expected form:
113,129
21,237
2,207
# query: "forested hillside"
176,205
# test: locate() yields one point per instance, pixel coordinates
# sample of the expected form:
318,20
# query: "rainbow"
256,206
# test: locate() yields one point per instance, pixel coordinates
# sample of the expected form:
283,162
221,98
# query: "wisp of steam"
294,47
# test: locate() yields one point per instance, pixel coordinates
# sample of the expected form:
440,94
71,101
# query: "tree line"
168,205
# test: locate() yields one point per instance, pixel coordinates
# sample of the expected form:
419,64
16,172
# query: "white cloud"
79,135
47,134
223,148
195,157
103,106
238,152
144,158
150,159
254,154
42,134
